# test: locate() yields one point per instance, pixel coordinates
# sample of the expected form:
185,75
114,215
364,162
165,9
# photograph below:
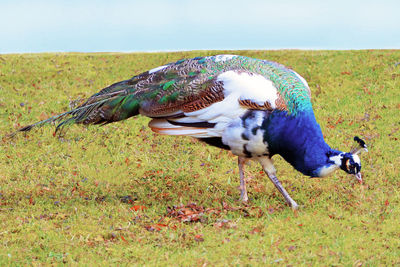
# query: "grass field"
120,194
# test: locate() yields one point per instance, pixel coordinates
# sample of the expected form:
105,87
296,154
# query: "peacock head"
350,162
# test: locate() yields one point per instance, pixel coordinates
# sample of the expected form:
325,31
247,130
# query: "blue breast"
298,139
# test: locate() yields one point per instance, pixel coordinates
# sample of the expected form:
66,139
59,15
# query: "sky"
173,25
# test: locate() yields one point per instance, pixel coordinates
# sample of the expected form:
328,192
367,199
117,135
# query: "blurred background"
125,26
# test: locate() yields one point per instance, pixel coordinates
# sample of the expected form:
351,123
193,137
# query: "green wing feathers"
114,103
157,93
184,86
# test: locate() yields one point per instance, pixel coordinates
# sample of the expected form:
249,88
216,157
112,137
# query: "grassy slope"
62,200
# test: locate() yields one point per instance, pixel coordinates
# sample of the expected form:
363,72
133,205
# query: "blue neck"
299,140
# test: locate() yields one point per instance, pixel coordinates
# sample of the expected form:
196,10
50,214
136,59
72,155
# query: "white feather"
157,69
254,87
237,86
256,143
162,126
357,159
233,136
337,159
326,170
229,108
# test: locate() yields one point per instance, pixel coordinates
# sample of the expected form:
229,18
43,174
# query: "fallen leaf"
386,202
340,120
226,224
255,230
190,213
123,239
199,238
138,207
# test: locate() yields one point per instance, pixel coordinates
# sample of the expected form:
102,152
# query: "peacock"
254,108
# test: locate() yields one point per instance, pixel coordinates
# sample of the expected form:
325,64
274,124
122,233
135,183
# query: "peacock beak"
359,177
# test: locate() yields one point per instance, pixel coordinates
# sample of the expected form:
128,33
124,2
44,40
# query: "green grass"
70,199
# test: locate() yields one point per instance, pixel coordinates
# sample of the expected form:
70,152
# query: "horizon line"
195,50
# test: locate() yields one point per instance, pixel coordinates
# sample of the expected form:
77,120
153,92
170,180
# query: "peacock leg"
269,169
243,190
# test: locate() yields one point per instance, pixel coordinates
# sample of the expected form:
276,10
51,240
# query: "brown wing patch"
212,92
251,105
279,103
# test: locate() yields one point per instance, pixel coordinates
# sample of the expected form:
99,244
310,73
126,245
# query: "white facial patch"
327,170
357,159
337,159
